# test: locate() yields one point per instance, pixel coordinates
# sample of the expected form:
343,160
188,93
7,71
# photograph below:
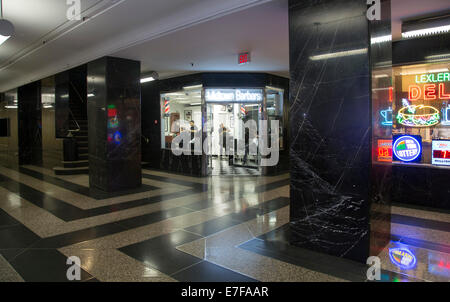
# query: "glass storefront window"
421,115
183,105
275,109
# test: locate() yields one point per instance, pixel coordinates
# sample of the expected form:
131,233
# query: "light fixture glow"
149,79
426,31
192,87
438,70
442,56
381,39
3,39
339,54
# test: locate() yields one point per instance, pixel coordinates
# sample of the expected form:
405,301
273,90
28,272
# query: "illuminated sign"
117,138
113,121
418,115
428,92
433,78
441,153
407,148
244,58
384,150
403,258
446,115
233,95
386,117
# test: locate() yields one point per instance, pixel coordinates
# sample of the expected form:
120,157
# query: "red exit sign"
244,58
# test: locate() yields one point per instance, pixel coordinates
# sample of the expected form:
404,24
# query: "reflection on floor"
220,166
183,228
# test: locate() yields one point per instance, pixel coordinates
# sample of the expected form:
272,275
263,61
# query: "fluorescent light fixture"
440,56
3,39
438,70
339,54
381,39
48,106
90,95
426,31
379,76
196,104
11,106
149,79
192,87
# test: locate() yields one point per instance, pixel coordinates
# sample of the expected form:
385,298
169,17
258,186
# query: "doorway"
228,119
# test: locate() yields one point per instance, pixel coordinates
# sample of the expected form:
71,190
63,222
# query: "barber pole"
243,110
166,107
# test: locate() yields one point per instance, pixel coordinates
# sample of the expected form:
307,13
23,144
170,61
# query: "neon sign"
429,92
113,121
403,258
233,95
441,153
418,115
387,117
407,148
384,150
433,78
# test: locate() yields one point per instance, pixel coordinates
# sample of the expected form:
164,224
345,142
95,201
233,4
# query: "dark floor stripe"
210,227
422,243
42,265
59,208
90,192
421,222
107,229
194,185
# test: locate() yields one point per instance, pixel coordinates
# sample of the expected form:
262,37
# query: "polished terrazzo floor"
179,228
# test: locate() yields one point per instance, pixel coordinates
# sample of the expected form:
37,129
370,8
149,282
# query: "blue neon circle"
407,137
402,266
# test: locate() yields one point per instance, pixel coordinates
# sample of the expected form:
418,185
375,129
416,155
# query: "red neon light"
430,91
391,94
442,94
112,112
414,92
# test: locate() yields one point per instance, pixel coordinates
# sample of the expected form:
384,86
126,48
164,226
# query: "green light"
433,78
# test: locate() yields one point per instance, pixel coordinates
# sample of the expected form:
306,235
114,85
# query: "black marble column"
114,119
29,124
330,120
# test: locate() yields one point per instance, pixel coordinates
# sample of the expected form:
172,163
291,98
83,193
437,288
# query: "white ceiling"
166,35
214,46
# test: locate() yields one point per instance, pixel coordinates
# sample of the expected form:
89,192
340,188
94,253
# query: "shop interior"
223,116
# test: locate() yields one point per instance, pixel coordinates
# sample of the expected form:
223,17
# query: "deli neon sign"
428,92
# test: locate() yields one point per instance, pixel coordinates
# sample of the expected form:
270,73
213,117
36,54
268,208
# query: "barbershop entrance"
231,145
